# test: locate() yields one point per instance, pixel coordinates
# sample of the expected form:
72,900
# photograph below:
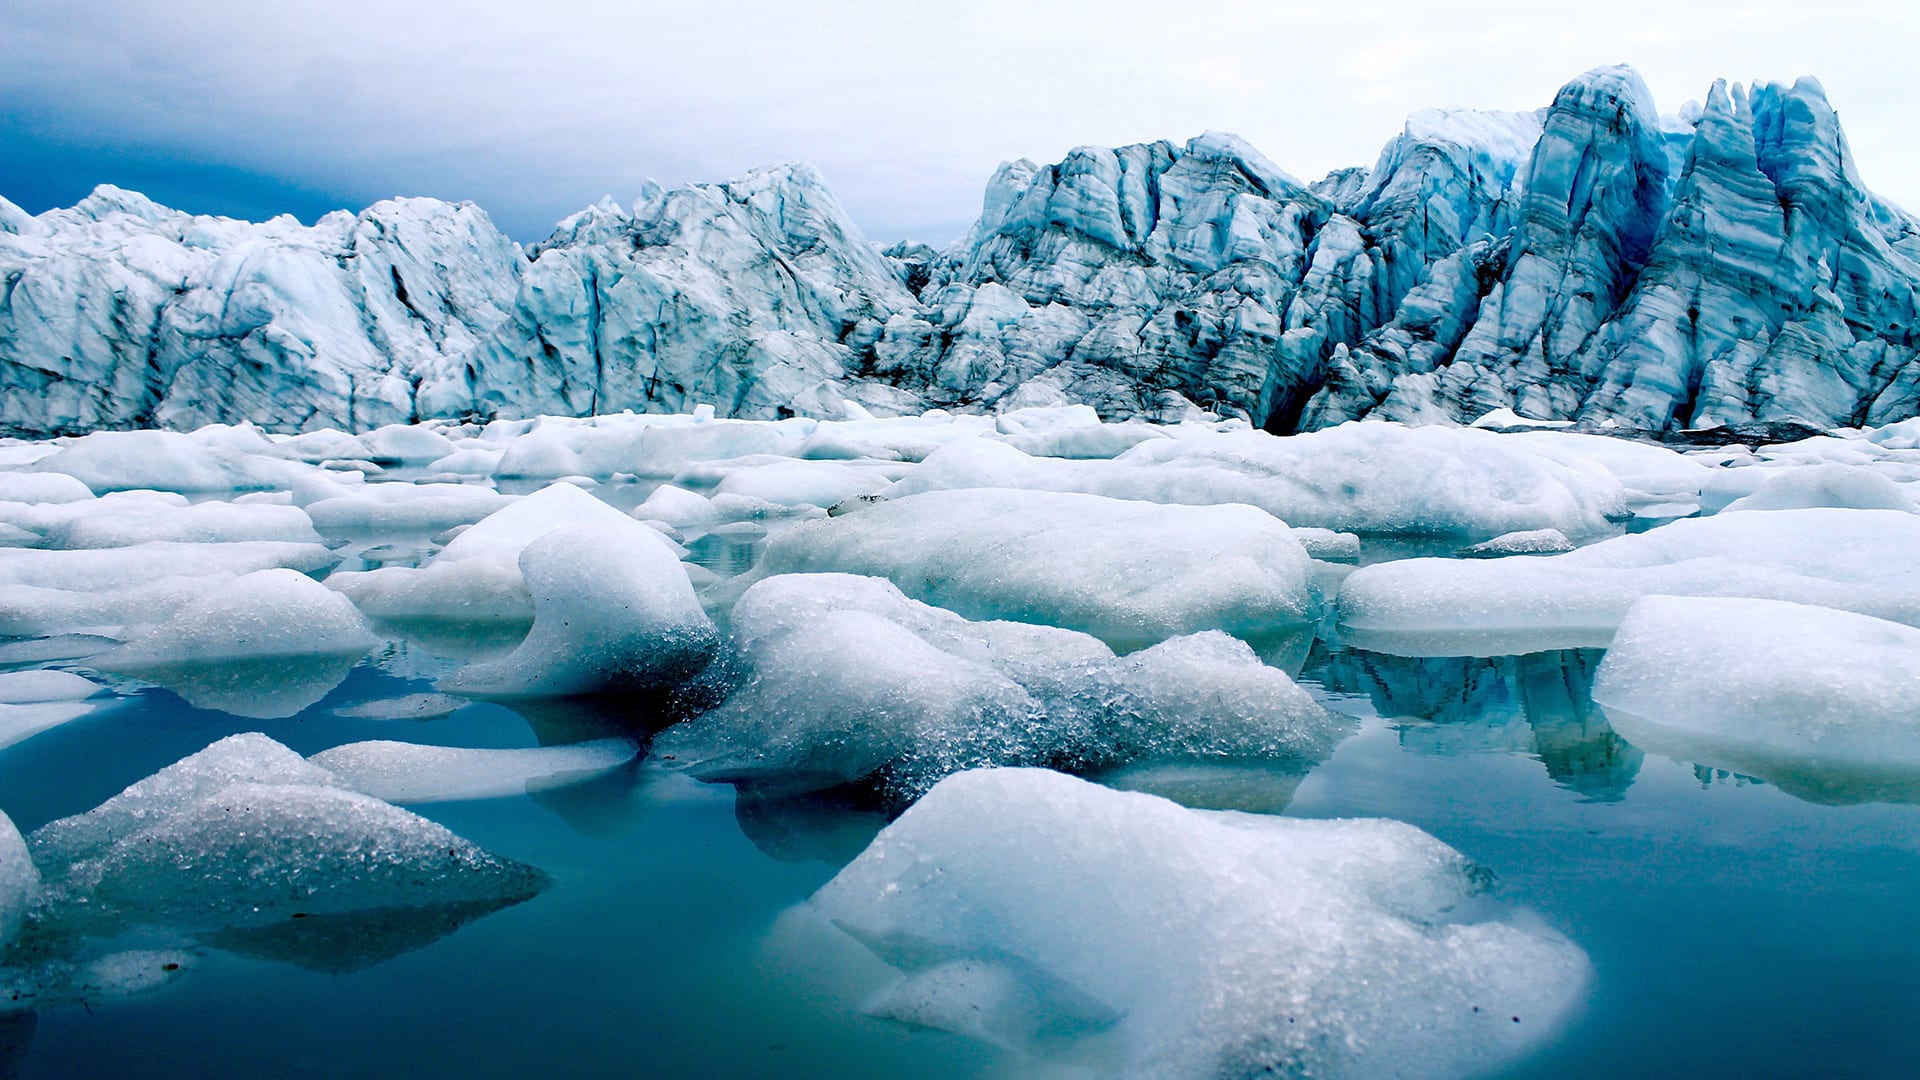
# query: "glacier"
1593,262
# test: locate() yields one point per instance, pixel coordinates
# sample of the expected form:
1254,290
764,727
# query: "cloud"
536,110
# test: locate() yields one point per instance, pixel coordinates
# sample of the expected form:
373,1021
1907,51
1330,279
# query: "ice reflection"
1483,703
268,688
341,943
829,826
1807,776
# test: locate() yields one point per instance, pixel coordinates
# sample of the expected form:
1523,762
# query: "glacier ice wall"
1589,261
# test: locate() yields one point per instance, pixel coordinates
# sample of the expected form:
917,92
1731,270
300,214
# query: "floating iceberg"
34,701
1359,477
851,681
476,577
401,772
248,834
613,609
1056,916
1130,573
1824,703
265,645
116,591
1859,560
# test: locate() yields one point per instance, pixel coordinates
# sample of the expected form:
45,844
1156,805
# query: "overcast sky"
534,110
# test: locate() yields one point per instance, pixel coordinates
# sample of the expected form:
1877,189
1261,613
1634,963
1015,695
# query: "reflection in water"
266,688
830,826
1252,787
1286,649
726,555
1550,691
470,640
341,943
609,805
1805,776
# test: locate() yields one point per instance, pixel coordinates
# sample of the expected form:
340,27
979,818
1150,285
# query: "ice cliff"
1590,261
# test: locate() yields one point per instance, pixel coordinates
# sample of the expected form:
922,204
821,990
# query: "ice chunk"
1161,941
1327,544
117,521
265,645
42,487
247,833
19,881
34,701
787,602
411,773
387,508
248,758
1129,572
677,507
1829,484
314,447
406,707
255,854
165,461
613,609
852,681
108,591
1529,542
1359,477
802,483
139,564
477,578
1649,473
1823,703
270,613
1859,560
404,444
40,687
849,695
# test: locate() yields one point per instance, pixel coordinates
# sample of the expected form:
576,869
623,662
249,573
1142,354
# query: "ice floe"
1051,915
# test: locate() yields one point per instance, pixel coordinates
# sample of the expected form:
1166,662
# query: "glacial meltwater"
1732,926
960,762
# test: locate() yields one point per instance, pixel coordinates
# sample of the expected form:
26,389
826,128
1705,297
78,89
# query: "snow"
1130,573
1820,701
1857,560
613,610
401,772
1059,917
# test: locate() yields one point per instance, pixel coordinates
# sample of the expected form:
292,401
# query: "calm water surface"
1735,929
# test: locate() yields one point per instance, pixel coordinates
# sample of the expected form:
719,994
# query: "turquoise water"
1734,928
